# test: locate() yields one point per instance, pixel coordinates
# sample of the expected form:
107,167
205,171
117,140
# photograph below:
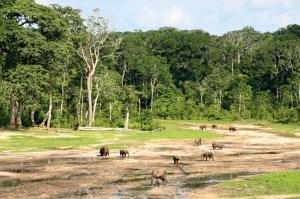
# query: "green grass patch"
282,183
179,134
31,143
288,129
174,130
283,129
41,139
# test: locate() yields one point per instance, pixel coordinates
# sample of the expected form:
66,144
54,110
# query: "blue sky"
213,16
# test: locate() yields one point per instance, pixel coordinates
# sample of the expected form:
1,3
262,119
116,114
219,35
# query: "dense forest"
59,70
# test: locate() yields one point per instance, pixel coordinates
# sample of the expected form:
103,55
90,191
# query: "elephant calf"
159,174
123,153
197,142
232,128
202,127
214,126
208,155
176,159
217,146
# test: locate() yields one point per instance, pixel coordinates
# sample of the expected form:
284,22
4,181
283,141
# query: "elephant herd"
161,174
204,126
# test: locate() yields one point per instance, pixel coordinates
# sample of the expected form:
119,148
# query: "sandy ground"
81,174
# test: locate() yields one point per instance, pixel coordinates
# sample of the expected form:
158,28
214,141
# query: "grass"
40,139
173,131
283,183
284,129
31,143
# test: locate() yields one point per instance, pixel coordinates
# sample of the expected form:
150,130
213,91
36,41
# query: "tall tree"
96,45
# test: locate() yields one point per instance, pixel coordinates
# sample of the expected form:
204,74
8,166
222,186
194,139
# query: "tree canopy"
61,70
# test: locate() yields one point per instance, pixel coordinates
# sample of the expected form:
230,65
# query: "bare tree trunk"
201,99
139,106
220,98
95,103
232,64
49,112
19,109
32,112
44,120
238,58
62,94
110,110
240,102
12,123
127,118
81,109
215,98
123,74
90,100
152,94
299,91
79,103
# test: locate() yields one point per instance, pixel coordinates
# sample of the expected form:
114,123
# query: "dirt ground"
82,174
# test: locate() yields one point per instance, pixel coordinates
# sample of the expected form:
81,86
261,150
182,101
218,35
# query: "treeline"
60,70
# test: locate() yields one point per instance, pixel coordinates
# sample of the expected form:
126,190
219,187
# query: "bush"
147,122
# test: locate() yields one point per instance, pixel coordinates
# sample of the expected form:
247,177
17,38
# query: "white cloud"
285,20
272,3
263,3
147,16
288,3
173,16
44,2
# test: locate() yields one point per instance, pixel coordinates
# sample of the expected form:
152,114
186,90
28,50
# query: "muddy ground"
82,174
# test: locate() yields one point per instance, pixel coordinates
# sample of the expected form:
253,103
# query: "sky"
213,16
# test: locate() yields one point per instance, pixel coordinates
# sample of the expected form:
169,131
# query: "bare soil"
80,173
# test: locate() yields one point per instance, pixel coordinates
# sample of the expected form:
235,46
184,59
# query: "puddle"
128,180
254,153
205,181
167,149
139,190
17,182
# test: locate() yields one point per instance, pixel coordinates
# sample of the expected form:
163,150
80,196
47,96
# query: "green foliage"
242,74
147,121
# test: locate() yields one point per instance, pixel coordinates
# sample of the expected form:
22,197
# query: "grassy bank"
41,139
283,183
284,129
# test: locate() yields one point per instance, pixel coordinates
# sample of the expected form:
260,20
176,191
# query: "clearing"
30,169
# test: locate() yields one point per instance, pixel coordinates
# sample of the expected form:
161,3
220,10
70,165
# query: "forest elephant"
104,151
232,128
214,126
198,142
217,146
176,159
208,155
123,153
159,174
202,127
